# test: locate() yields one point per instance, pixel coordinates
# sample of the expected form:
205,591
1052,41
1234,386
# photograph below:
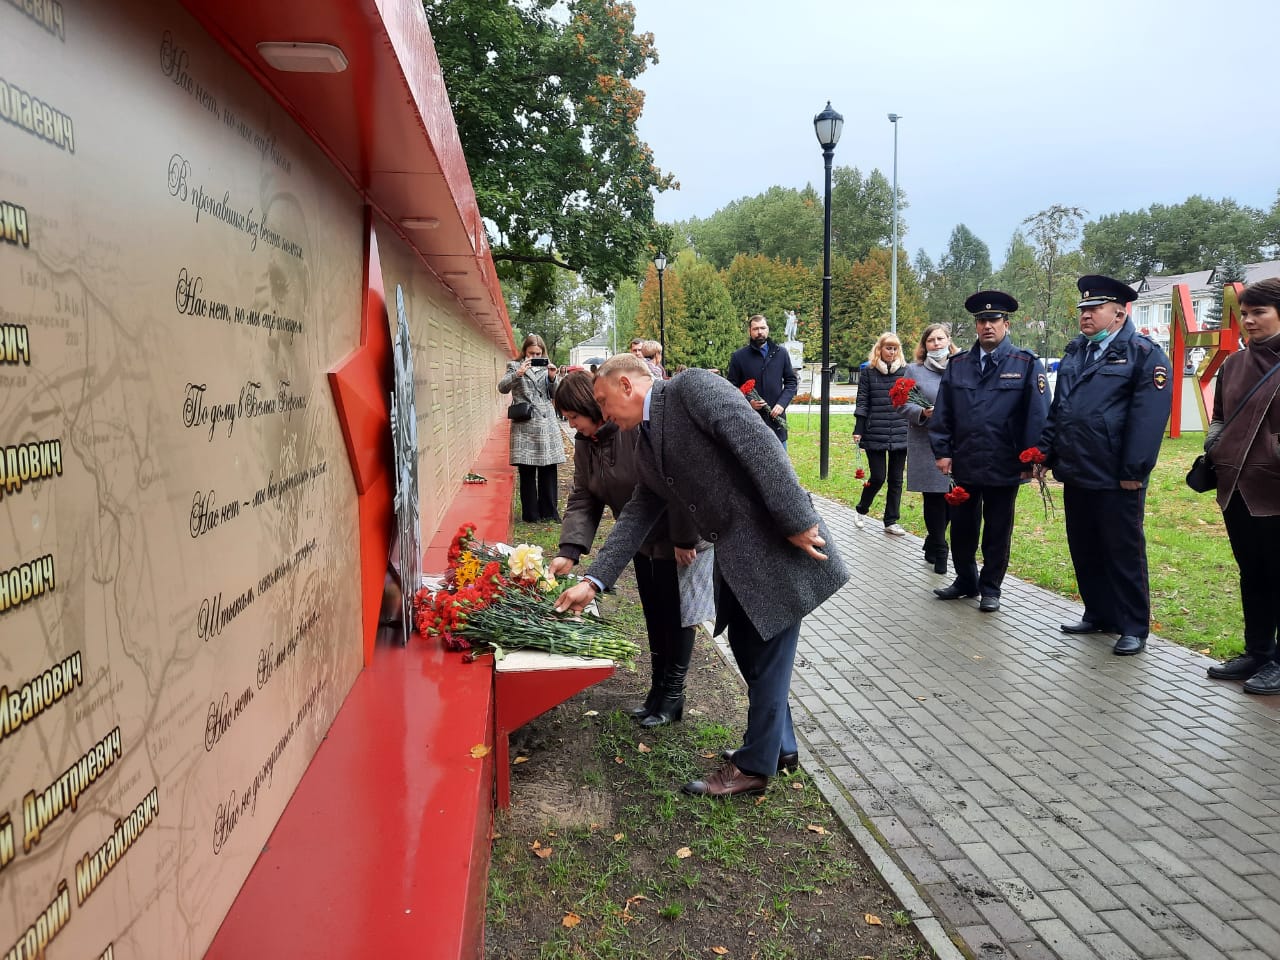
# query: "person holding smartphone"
537,445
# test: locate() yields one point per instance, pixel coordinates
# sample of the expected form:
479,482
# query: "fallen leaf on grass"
619,836
720,951
644,748
1206,650
684,853
480,750
618,760
1157,626
591,713
872,919
570,920
636,899
797,785
707,755
759,800
520,760
815,828
543,853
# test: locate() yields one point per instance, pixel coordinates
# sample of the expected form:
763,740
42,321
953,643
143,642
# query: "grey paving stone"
1063,941
1133,926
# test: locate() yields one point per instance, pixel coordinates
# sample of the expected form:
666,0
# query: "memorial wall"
179,600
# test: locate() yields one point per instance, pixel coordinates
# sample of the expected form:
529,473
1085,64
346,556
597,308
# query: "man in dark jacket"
702,453
992,404
1102,440
769,365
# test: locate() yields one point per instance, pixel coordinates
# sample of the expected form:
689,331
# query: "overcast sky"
1007,106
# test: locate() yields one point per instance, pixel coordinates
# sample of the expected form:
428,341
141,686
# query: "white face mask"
940,354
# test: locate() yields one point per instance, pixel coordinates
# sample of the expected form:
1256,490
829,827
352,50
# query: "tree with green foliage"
709,331
964,269
760,285
546,109
626,306
1059,264
647,315
860,295
1178,238
576,313
1230,270
862,212
1017,276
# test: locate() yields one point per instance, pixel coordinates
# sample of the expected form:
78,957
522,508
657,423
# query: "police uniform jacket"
984,422
1108,418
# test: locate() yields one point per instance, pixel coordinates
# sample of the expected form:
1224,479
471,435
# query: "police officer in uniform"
991,405
1104,432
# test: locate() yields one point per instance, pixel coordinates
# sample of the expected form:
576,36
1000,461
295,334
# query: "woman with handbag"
537,445
1244,443
878,428
675,584
933,352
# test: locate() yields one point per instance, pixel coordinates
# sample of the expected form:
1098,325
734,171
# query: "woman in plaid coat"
537,445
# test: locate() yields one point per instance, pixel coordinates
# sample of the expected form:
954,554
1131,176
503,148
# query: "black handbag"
1203,476
520,411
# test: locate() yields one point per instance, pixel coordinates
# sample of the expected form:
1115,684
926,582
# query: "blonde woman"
933,352
881,432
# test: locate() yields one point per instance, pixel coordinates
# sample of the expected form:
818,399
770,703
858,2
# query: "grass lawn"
1195,597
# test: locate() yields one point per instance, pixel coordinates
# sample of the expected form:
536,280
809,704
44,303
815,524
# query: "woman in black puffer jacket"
880,429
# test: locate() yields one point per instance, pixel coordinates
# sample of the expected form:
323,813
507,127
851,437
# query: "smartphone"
539,361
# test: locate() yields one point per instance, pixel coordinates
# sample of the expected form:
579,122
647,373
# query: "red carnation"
859,474
749,391
1031,455
956,495
904,391
747,388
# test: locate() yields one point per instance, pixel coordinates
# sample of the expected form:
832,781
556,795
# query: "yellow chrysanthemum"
525,562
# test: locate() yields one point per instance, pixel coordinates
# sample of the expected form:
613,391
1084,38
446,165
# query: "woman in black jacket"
881,431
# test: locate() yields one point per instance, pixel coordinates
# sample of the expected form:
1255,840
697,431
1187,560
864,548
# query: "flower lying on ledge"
751,393
480,606
1033,457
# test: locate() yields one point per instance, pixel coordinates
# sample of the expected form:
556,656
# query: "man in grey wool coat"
704,452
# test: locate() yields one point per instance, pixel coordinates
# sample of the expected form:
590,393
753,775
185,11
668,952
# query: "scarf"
883,367
936,365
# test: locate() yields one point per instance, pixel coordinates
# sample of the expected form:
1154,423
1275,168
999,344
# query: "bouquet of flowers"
751,393
957,494
1033,457
904,391
858,472
506,601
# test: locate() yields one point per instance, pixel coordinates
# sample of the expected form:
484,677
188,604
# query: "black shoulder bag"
1203,476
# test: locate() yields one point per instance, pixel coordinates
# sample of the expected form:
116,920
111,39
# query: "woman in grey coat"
537,445
923,476
674,598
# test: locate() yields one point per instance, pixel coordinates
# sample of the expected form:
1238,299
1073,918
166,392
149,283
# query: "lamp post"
893,267
827,125
660,262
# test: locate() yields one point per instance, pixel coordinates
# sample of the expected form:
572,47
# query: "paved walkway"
1048,799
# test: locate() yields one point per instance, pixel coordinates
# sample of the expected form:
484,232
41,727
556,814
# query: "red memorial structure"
212,215
1220,342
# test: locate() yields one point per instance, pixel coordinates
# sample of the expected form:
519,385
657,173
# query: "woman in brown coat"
1246,455
604,475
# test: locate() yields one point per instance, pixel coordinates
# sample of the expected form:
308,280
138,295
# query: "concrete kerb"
922,915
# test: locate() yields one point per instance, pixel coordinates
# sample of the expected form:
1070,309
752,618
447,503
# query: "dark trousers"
538,493
766,666
884,464
937,514
1253,542
1109,552
987,514
659,589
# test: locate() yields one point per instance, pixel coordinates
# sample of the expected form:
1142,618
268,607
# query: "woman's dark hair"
533,340
575,394
1264,293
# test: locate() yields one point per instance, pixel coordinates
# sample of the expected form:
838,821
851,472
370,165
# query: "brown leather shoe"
787,762
728,781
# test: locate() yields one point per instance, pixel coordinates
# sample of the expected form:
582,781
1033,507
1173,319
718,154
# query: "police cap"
1095,290
988,304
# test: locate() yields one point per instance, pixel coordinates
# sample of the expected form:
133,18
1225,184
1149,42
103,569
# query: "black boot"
940,558
671,707
654,696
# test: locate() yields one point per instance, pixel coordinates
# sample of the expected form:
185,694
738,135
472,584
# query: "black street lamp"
660,262
827,125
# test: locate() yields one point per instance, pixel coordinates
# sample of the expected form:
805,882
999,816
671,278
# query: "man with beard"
769,365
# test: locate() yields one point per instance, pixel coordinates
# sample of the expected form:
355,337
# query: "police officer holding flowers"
991,405
1105,427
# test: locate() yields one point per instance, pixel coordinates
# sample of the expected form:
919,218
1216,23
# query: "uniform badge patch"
1160,377
1041,383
